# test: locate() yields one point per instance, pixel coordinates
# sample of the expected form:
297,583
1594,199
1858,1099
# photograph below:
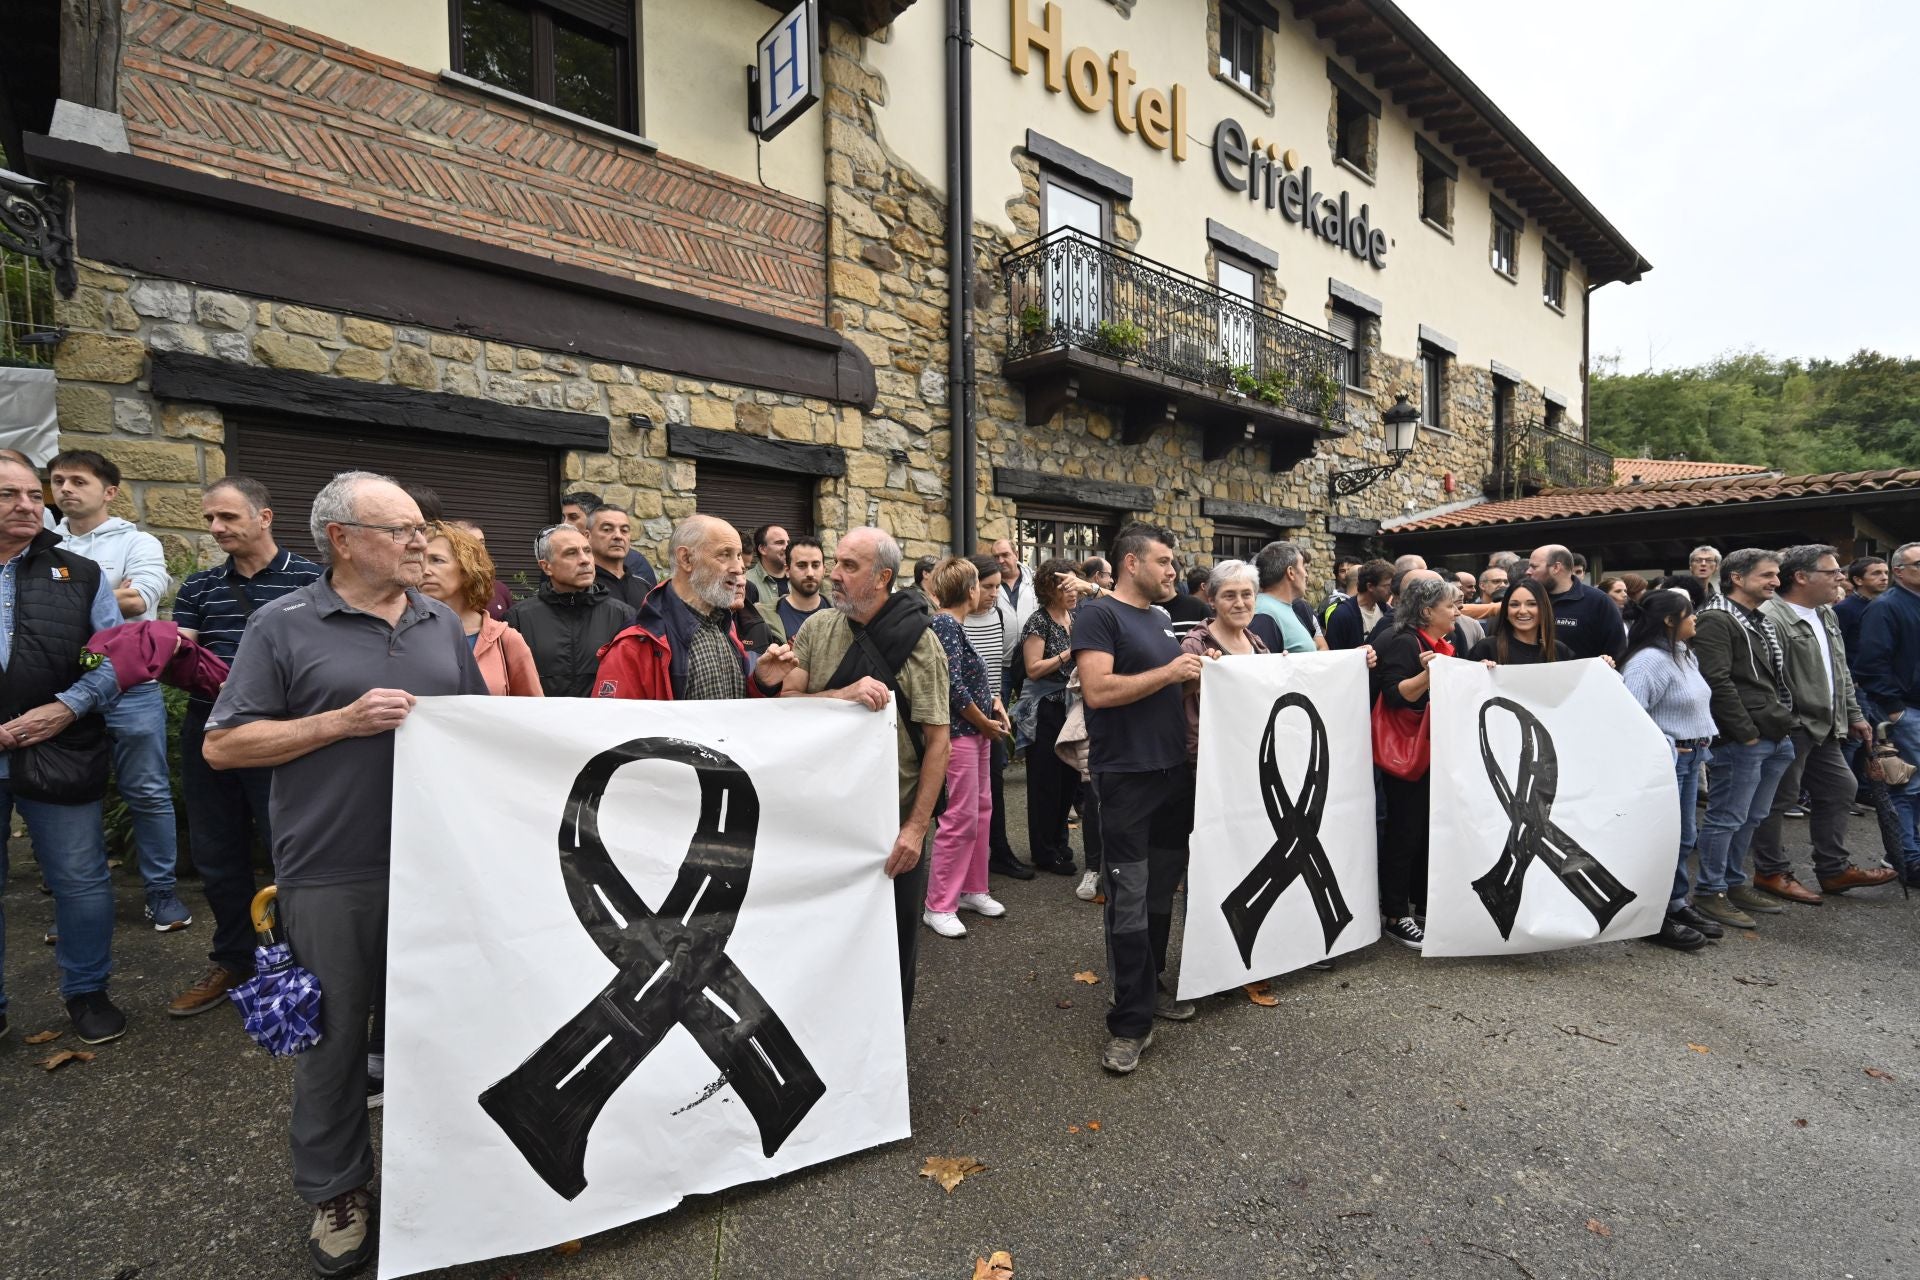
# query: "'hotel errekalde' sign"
1158,117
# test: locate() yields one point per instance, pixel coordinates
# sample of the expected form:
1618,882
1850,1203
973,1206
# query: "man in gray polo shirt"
326,674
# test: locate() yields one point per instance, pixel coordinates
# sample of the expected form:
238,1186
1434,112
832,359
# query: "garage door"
511,491
748,497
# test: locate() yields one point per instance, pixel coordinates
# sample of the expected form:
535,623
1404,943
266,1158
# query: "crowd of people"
1765,670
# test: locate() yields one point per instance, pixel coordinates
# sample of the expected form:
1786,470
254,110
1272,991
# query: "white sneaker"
981,904
944,923
1089,887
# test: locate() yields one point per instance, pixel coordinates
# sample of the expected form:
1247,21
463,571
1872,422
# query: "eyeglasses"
1911,564
401,533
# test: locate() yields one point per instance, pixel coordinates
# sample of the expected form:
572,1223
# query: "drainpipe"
960,271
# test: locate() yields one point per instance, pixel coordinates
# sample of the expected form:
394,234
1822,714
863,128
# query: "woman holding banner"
1423,617
1523,629
1664,677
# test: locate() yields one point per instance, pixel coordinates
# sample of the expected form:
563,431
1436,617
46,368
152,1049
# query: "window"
1553,289
748,497
1356,120
576,55
1240,49
1076,284
1437,175
1077,534
1556,418
1239,541
1433,370
1506,242
1350,327
1237,278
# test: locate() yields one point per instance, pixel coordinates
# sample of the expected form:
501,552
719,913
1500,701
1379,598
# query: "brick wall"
223,91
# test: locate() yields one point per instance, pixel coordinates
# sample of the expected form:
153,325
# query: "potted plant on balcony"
1123,338
1326,391
1270,387
1033,320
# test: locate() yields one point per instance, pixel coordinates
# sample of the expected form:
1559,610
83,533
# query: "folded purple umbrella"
143,651
280,1004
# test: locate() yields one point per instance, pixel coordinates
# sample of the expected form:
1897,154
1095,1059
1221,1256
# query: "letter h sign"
785,78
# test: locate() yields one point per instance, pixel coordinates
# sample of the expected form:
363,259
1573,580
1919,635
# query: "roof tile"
1656,470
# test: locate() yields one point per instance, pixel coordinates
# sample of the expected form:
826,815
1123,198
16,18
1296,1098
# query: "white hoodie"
124,554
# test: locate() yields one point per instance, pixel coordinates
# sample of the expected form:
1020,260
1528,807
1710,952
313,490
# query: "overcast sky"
1759,154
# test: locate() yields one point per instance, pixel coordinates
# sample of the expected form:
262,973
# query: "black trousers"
224,809
1403,854
909,900
1052,787
998,850
1146,820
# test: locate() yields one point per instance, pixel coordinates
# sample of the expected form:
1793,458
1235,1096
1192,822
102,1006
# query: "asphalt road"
1618,1111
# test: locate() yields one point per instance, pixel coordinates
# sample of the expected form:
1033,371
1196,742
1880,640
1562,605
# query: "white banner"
581,1033
1283,868
1555,817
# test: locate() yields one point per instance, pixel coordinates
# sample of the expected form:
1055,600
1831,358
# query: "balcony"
1538,457
1091,321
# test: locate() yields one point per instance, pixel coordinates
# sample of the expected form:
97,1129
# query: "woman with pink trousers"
958,876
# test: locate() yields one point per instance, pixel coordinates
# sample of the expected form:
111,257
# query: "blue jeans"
138,724
1686,772
1744,780
1906,737
73,857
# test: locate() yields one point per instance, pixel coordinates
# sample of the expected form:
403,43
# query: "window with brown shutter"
748,497
511,491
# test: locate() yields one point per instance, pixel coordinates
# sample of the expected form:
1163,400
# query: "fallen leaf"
999,1266
63,1057
951,1171
1094,1125
42,1037
1878,1074
1087,976
1600,1228
1073,1128
568,1249
1799,1124
1099,899
1063,1004
1698,1048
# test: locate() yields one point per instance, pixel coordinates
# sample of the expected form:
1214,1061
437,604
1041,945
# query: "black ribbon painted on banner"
672,970
1296,853
1531,833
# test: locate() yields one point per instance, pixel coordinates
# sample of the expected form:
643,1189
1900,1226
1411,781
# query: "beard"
712,588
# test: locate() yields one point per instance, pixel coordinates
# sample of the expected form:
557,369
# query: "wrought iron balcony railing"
1538,457
1069,290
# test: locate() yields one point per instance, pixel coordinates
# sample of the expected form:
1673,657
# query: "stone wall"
166,452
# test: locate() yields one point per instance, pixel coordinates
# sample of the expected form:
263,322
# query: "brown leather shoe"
1858,878
1785,886
208,993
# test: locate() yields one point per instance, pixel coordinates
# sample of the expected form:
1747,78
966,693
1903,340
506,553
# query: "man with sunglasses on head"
571,617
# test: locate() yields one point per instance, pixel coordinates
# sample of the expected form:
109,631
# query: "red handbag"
1401,745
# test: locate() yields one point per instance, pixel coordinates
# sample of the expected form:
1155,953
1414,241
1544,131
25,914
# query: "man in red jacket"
683,646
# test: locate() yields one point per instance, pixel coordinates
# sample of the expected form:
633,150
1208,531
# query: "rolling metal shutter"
748,497
510,491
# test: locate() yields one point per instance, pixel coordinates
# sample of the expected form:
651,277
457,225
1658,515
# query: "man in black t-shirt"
1132,675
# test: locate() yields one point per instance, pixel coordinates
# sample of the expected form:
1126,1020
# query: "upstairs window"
1350,326
1553,287
1556,418
1437,176
1356,121
1433,369
576,55
1240,49
1506,242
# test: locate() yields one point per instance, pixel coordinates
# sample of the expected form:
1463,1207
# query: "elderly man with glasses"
324,677
1888,668
1704,564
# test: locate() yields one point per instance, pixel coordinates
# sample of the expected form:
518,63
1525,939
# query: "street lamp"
1403,425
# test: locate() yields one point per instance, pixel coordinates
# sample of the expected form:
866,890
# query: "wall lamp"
1403,427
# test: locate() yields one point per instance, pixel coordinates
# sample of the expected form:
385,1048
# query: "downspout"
960,272
1586,366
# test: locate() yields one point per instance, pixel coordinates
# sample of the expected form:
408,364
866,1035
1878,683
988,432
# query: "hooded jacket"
124,554
565,630
648,660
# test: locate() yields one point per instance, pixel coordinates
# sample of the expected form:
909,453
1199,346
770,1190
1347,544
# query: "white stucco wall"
1446,284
